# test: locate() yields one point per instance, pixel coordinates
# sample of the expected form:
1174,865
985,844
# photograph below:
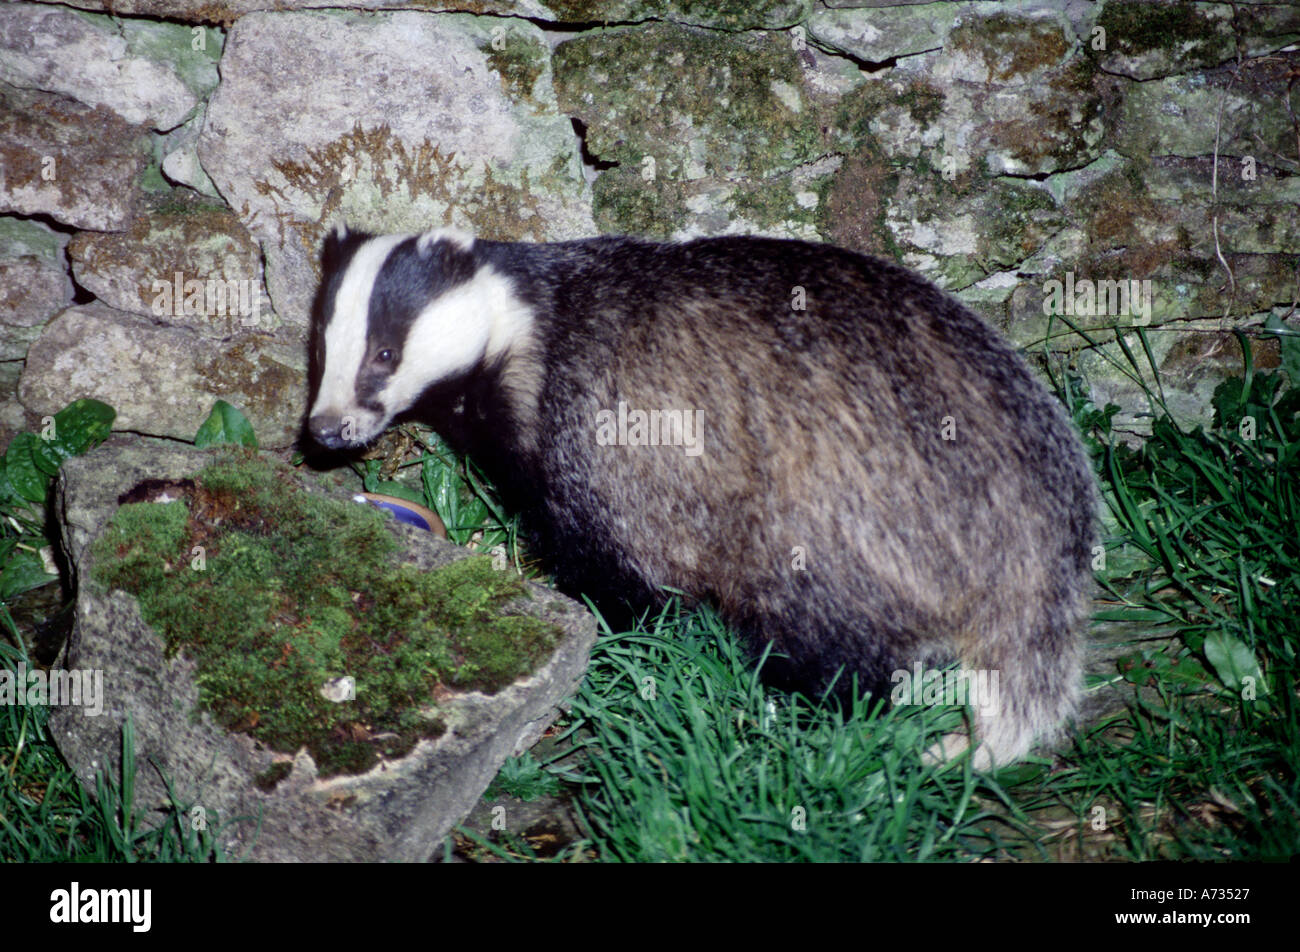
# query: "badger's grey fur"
879,480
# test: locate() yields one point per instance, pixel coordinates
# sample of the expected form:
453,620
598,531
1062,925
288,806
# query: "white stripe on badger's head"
471,323
409,312
345,337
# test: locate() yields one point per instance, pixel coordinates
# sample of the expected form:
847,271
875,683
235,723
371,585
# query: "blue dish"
413,514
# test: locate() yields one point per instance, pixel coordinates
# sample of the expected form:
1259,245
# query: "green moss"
783,203
623,202
1067,126
713,111
20,237
275,592
1186,33
1017,218
147,541
1011,45
177,202
173,45
151,179
519,61
872,102
633,87
723,14
924,103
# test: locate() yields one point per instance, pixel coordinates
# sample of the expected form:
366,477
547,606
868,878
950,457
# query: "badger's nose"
327,430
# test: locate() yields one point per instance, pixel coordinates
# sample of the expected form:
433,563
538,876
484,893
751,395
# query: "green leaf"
23,571
1289,338
1233,660
78,427
370,478
9,496
20,466
225,424
1188,672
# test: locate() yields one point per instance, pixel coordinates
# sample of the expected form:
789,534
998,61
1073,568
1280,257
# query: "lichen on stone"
721,14
690,119
1010,46
373,181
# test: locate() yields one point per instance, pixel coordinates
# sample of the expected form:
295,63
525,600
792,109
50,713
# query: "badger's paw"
951,749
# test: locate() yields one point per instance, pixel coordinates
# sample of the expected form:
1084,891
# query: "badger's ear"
456,237
340,244
334,240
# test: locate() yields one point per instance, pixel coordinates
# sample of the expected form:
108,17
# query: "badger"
851,466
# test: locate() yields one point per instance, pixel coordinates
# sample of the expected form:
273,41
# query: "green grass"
688,757
1205,549
47,816
525,778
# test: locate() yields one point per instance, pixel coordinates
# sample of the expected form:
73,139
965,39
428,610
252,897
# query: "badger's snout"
332,430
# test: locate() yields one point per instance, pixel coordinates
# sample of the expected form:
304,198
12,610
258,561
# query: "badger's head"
395,316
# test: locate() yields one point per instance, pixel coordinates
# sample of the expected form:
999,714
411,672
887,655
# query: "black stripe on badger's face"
406,312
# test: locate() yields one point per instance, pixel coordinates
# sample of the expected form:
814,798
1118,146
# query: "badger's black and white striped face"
398,314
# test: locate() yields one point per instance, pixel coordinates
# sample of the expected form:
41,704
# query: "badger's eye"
384,356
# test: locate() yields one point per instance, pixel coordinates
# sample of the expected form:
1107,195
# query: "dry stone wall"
168,167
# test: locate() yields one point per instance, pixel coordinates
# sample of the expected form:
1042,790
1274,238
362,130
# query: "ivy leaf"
23,571
387,487
25,476
1289,338
9,496
225,424
78,427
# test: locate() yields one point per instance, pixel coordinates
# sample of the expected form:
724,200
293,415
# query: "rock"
227,12
180,240
62,158
97,61
707,134
879,34
484,149
1054,122
1182,115
162,380
13,417
30,288
725,15
34,286
34,283
180,153
1146,40
1004,48
398,811
729,15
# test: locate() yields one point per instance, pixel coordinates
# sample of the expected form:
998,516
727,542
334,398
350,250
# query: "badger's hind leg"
1027,661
